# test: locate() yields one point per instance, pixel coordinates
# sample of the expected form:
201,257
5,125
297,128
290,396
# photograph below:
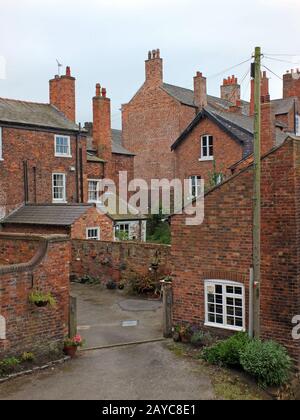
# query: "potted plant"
185,333
41,299
71,345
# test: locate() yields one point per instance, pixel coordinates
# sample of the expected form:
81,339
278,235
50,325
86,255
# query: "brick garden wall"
29,328
221,248
118,261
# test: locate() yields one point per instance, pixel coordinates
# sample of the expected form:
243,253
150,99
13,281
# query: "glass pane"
229,289
230,301
238,291
219,289
238,312
238,302
230,321
211,308
230,310
219,309
211,318
219,299
211,298
219,319
239,322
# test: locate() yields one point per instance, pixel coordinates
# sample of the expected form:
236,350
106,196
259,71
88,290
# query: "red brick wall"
291,85
37,148
152,121
227,151
221,248
93,218
117,260
29,328
17,252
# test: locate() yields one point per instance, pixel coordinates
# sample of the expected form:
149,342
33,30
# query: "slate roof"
117,146
186,97
34,114
283,106
50,215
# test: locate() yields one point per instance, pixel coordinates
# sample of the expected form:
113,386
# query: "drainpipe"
251,300
77,172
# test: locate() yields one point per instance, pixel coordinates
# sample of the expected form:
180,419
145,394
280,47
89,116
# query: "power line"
229,69
271,71
281,61
283,55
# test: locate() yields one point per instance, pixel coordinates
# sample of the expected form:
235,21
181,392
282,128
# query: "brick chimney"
200,91
291,84
268,127
231,90
62,94
264,91
102,136
237,108
154,68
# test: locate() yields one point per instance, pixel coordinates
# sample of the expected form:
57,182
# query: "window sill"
224,327
206,159
64,156
59,202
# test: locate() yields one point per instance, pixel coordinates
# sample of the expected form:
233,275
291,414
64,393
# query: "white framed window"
297,125
225,305
123,231
207,147
59,188
93,234
195,186
93,190
1,145
62,145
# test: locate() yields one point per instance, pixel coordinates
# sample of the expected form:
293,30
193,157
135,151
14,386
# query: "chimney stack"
291,84
62,94
200,91
268,127
102,136
154,68
264,91
231,90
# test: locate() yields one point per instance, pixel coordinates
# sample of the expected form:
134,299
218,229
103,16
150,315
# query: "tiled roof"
54,215
186,97
117,147
283,106
34,114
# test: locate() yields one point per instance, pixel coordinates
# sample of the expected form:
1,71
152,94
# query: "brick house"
218,142
212,261
159,112
52,162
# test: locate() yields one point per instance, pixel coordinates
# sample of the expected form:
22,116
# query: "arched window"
225,304
2,328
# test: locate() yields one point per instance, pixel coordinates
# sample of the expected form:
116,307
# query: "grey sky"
107,41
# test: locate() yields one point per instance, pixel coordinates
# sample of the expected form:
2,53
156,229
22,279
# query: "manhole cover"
139,305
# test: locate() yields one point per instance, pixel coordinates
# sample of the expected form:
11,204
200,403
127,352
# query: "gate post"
73,317
167,308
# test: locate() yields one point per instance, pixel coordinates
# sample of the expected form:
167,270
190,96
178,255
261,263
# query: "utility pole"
256,73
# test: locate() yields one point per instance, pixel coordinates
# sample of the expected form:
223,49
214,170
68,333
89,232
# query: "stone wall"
118,261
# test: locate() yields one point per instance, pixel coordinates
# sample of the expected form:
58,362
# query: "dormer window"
207,147
62,146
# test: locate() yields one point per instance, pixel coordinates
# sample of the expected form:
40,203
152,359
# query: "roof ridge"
25,101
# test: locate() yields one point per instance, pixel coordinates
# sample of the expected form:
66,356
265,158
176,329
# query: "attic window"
207,147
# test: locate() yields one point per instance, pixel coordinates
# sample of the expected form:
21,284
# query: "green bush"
267,361
8,365
227,352
201,339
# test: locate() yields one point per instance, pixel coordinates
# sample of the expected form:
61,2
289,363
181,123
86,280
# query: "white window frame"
118,224
64,198
224,284
97,190
206,137
1,144
198,185
58,154
297,125
95,237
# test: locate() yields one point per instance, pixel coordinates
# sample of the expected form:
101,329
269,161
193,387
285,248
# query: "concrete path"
146,371
101,314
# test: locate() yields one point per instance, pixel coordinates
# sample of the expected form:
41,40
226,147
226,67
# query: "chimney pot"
68,71
98,89
103,92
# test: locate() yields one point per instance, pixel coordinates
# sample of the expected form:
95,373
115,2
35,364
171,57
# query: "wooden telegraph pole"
256,73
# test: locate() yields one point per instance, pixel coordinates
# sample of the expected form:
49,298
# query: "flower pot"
41,304
70,351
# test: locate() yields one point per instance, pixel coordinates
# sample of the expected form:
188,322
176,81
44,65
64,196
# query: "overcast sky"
107,41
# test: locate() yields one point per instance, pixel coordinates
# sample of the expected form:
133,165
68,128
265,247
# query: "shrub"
227,352
267,361
27,357
201,339
8,365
